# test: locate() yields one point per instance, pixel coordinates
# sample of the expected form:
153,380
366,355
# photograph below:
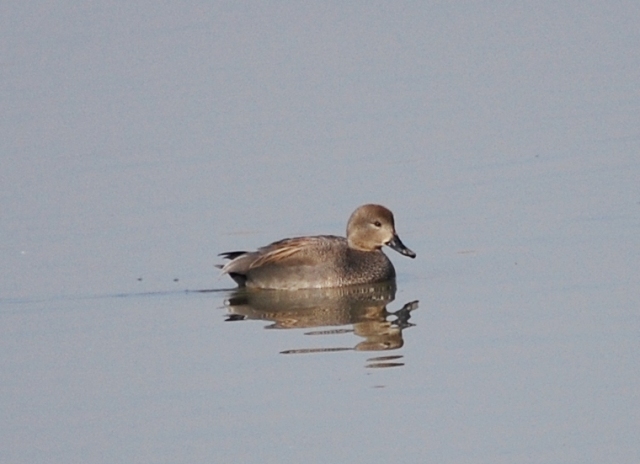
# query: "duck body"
323,261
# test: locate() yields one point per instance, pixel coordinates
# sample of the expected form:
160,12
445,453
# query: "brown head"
372,226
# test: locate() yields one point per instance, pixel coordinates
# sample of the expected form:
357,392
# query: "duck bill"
396,244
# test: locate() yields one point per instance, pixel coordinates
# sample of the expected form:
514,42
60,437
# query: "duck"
323,261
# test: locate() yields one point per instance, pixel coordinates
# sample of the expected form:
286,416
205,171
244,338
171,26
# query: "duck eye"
377,224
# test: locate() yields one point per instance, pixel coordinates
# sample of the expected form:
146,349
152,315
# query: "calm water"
139,141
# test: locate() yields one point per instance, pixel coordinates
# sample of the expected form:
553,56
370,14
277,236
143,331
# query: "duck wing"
303,250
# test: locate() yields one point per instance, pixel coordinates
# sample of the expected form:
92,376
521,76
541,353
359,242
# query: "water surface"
139,141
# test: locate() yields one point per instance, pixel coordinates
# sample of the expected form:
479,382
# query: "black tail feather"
232,254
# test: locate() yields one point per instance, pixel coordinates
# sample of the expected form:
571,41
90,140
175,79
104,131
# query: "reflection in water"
362,307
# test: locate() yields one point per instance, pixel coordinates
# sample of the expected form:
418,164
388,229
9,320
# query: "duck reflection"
362,307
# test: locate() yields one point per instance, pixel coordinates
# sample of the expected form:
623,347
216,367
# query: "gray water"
140,140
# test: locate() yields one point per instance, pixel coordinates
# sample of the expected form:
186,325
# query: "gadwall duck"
323,261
